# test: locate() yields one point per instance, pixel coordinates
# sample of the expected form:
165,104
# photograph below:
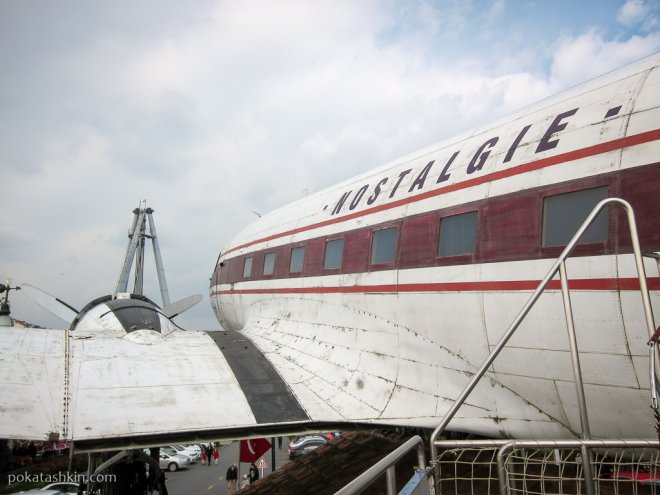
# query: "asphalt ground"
201,479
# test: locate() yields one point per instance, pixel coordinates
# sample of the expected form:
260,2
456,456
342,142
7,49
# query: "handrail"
556,267
386,465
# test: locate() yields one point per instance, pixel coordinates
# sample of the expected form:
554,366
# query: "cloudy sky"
212,110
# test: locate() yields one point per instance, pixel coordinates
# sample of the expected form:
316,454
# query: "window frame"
302,261
374,233
574,191
248,260
325,253
438,237
270,255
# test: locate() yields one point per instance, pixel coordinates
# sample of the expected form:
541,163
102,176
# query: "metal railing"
560,267
530,467
386,465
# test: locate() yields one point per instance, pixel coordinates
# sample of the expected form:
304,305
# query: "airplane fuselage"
378,298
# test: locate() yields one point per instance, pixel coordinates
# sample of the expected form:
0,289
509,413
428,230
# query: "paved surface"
200,479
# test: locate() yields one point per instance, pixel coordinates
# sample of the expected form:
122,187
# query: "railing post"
390,476
577,376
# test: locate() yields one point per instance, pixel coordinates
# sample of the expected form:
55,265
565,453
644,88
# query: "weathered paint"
396,344
112,379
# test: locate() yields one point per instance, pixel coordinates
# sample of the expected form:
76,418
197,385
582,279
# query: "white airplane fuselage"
377,299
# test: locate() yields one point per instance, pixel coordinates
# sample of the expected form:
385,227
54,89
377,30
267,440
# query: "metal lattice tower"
137,237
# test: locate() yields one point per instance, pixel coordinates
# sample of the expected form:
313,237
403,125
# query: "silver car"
305,444
173,462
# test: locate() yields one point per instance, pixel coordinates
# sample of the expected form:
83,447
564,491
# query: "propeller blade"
178,307
50,303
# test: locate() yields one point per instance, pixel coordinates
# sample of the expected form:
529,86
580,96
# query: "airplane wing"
103,391
127,376
148,386
32,380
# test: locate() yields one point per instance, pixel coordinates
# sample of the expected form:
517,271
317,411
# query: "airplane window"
383,246
297,259
247,267
563,214
458,234
269,263
334,251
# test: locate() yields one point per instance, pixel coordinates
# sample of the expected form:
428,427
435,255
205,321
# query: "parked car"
191,452
172,461
172,451
195,448
39,491
305,444
64,487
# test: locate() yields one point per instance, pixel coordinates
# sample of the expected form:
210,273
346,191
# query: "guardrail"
386,466
549,466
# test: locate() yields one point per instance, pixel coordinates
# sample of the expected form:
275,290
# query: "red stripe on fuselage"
591,284
589,151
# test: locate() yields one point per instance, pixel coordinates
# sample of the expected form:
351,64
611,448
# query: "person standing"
209,453
253,474
232,478
216,456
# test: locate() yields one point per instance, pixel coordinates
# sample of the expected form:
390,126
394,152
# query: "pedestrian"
253,473
216,456
162,489
209,452
245,482
232,478
203,456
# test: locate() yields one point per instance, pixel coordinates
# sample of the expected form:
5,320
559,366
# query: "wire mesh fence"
548,471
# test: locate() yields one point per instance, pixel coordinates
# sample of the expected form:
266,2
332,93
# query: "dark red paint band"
598,149
591,284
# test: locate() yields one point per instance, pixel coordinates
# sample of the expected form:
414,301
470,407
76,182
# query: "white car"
41,491
194,454
64,487
195,448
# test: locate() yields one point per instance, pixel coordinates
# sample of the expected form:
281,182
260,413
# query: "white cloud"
239,106
576,59
638,12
